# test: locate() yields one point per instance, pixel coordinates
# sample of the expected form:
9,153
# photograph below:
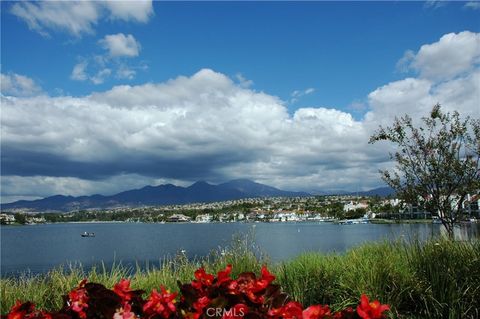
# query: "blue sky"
342,50
324,60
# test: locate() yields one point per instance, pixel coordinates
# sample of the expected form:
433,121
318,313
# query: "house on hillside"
178,218
203,218
354,206
471,206
6,219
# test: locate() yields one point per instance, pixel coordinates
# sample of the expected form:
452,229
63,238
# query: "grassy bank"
437,279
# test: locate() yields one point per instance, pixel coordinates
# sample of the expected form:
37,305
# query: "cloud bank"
209,127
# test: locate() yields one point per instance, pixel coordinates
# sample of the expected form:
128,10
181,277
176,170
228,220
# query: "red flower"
162,304
292,310
124,313
250,286
347,313
371,310
203,279
123,290
237,311
26,310
200,304
20,310
266,275
317,312
246,284
223,276
78,299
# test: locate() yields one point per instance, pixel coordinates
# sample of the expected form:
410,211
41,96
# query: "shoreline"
338,222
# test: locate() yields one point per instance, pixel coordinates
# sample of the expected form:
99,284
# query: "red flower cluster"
160,304
206,297
370,310
78,300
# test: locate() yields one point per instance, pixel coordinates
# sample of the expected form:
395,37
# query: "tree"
20,218
437,163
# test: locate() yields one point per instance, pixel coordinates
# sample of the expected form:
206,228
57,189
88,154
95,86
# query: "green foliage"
437,162
20,218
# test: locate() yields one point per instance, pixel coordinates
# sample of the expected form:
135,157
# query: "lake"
39,248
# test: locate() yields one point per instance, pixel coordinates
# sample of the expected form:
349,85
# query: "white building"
203,218
353,206
7,218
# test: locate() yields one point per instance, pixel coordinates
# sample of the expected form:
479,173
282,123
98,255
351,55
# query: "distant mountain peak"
200,183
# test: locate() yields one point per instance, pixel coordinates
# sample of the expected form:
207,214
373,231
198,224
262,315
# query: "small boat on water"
85,234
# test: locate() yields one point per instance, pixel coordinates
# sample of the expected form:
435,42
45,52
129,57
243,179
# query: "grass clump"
433,279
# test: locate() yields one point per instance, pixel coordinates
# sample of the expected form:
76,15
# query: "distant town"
340,209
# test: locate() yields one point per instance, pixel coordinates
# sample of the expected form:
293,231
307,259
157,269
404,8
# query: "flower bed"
207,296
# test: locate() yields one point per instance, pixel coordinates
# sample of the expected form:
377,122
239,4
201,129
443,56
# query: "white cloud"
297,94
18,85
78,17
474,5
101,75
99,67
245,83
453,55
435,4
120,45
124,72
45,186
206,126
78,72
139,10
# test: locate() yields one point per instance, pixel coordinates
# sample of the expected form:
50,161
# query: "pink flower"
78,299
124,313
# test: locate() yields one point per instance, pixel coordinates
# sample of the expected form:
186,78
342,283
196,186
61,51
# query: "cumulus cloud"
188,128
139,10
119,45
78,17
18,85
453,55
209,127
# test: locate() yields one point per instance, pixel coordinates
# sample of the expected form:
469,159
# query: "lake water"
39,248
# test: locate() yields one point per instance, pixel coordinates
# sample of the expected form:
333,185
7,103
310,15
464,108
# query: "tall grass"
433,279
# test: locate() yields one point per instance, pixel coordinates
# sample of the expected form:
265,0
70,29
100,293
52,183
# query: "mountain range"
199,192
168,194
